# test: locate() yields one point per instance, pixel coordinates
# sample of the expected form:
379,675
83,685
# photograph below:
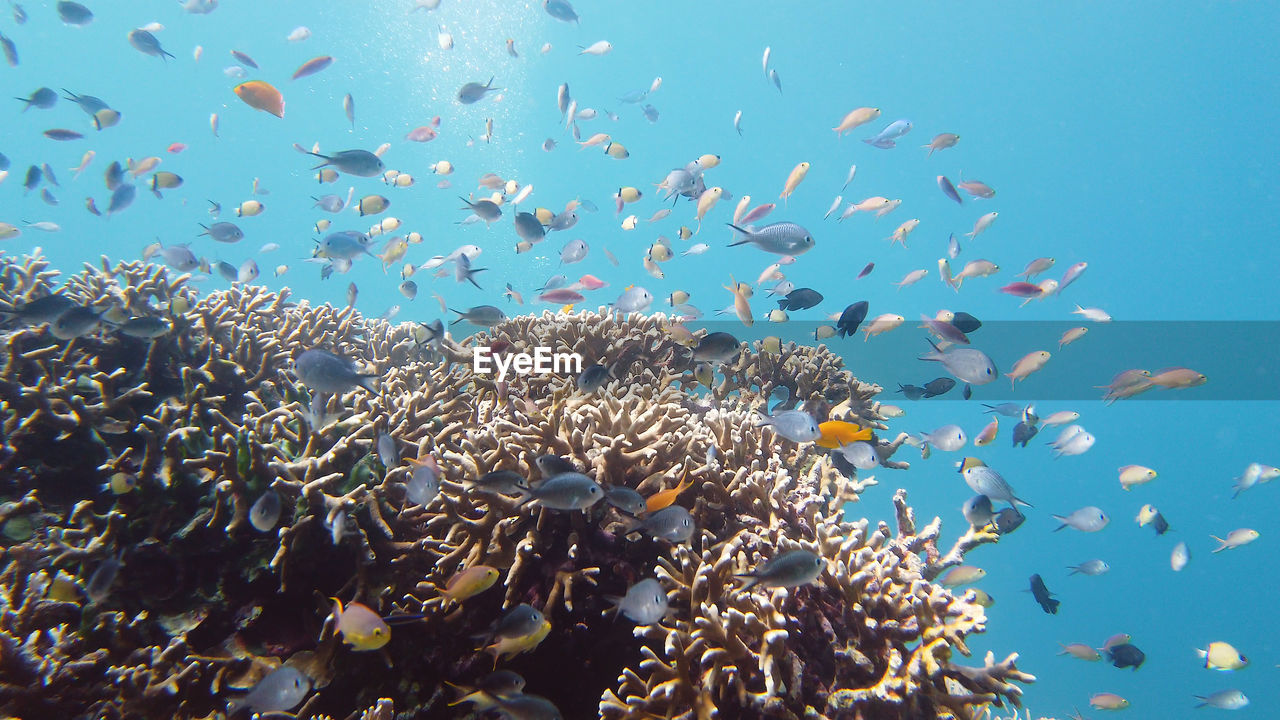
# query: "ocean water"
1135,137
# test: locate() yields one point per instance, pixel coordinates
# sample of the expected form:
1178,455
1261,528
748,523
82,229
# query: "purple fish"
944,330
948,189
1072,274
977,188
561,296
866,271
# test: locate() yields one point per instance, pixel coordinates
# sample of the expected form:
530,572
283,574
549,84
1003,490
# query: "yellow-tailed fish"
510,647
468,583
664,498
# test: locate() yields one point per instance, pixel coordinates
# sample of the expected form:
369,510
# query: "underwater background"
1136,137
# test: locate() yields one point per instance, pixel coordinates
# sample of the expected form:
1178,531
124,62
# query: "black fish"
1126,655
1160,524
851,318
938,386
1008,520
967,392
550,465
801,299
1022,434
1043,596
912,392
966,323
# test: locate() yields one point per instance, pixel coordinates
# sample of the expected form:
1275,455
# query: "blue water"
1136,136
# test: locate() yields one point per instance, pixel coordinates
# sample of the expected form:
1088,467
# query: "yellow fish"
468,583
794,180
660,500
741,304
510,647
360,627
1221,656
837,432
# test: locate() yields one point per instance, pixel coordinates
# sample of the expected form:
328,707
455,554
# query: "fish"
468,583
854,119
780,238
1131,475
10,50
1081,651
360,163
280,690
1086,519
480,315
1107,701
625,499
76,322
947,438
986,481
473,92
224,232
600,47
326,372
789,569
959,575
99,585
672,523
851,317
886,137
1222,656
1234,539
1126,655
966,364
146,43
560,10
941,141
977,511
861,455
312,66
1223,699
1090,567
1043,596
423,484
360,627
645,602
800,299
42,98
837,433
265,511
45,309
794,425
349,109
633,299
1179,557
567,491
73,13
716,348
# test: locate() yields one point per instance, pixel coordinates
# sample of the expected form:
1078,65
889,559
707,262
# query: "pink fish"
425,133
977,188
591,282
758,213
312,66
561,296
177,148
866,271
1021,289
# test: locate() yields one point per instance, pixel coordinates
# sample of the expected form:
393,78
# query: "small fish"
567,491
794,425
789,569
473,92
265,511
1107,701
312,66
1180,556
360,627
960,575
1126,655
977,511
469,583
1081,651
146,43
1043,596
1090,567
1222,656
1234,539
986,481
947,438
645,602
323,371
837,433
99,585
280,690
1086,519
1223,700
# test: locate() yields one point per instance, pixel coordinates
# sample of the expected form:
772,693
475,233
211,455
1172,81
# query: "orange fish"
261,96
664,498
836,433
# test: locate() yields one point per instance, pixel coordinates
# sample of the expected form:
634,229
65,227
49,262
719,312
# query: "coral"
208,418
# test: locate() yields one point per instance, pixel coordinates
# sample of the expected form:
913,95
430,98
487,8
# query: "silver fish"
977,510
473,91
780,238
323,371
645,602
265,512
360,163
860,454
966,364
423,485
480,315
146,43
636,299
794,425
625,499
1086,519
568,491
790,569
672,523
280,690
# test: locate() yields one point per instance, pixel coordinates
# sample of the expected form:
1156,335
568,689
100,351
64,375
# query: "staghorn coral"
208,418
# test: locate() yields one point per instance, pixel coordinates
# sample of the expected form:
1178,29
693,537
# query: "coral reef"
138,581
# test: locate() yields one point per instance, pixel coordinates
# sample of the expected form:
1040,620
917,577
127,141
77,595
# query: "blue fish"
884,139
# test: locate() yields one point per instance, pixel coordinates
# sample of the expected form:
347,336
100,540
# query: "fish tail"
1020,501
750,580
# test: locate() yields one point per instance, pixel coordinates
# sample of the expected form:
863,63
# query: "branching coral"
208,418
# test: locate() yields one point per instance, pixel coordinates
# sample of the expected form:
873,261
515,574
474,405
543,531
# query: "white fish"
1094,314
697,249
1180,556
853,170
834,204
444,39
298,34
45,226
737,121
912,278
982,224
644,604
599,47
764,63
860,455
1086,519
947,438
